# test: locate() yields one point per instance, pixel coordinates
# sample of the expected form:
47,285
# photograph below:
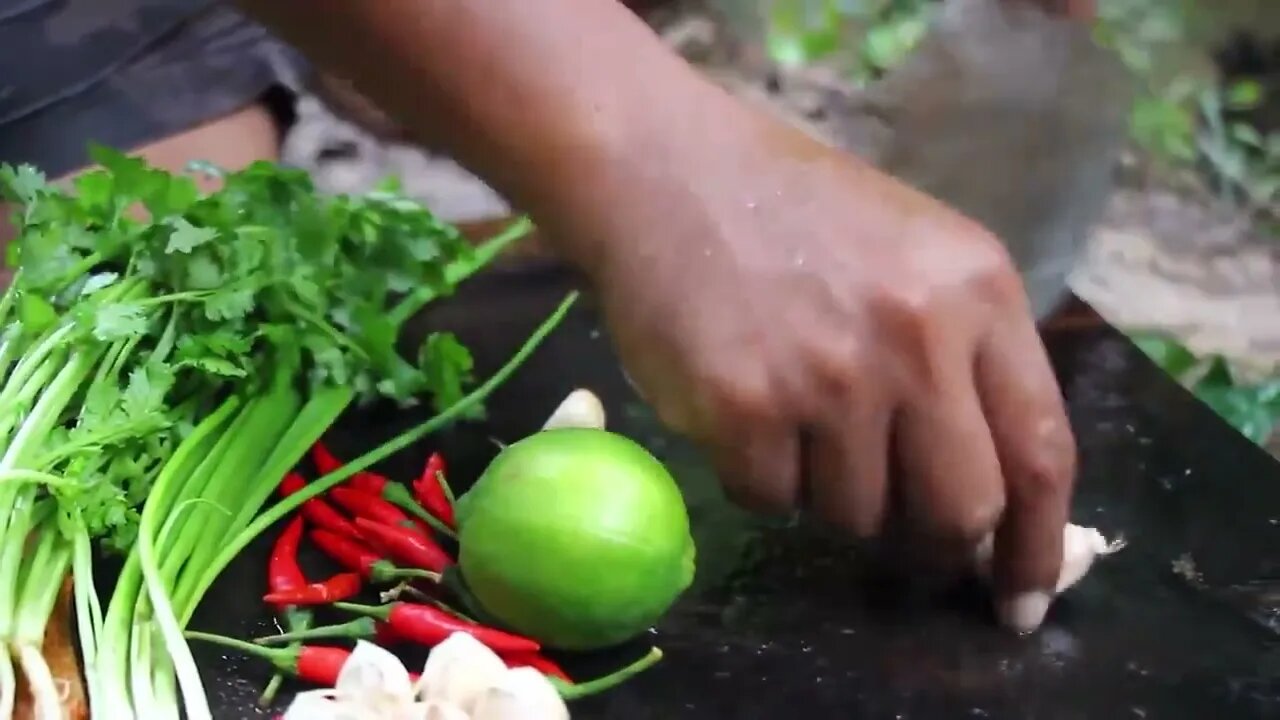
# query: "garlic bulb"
462,680
581,409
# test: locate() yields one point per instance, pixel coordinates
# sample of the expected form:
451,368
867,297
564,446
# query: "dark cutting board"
784,621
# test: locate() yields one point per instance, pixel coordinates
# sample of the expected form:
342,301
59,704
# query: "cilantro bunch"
165,356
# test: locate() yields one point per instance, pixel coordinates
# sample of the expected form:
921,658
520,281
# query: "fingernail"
1024,612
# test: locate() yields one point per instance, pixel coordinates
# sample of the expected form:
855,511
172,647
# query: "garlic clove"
581,409
521,694
322,705
458,671
1080,547
374,675
443,711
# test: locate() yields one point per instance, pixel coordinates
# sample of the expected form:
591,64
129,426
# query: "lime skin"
578,538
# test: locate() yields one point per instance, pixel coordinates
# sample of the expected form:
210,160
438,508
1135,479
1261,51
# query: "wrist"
600,177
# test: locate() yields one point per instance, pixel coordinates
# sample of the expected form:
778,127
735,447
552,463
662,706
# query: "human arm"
835,339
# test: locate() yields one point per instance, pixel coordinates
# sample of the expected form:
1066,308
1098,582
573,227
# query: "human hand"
839,342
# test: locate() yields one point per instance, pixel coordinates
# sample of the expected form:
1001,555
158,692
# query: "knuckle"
908,313
1047,470
744,401
994,277
838,366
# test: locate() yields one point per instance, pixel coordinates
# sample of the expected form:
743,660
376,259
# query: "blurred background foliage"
1207,114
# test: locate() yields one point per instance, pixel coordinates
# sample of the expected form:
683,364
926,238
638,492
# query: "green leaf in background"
1246,408
1169,354
1253,409
1245,95
803,31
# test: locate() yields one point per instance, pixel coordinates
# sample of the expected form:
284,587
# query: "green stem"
336,335
400,442
89,624
321,411
376,612
400,496
34,477
285,659
21,520
9,296
45,414
384,571
459,270
577,691
178,548
45,576
33,360
234,484
361,628
114,677
316,416
446,489
296,619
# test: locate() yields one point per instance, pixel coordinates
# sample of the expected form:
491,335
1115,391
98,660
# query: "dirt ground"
1156,260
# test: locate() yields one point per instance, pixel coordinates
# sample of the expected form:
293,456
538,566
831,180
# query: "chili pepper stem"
358,629
399,495
296,619
404,588
577,691
448,491
382,613
282,658
386,572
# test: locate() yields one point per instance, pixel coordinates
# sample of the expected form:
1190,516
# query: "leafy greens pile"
165,357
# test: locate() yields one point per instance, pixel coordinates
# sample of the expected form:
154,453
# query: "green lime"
576,537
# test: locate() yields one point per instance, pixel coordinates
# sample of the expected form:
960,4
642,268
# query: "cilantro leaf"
187,237
22,183
448,366
98,281
119,321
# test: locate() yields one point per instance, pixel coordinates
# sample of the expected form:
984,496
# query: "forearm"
533,96
1084,10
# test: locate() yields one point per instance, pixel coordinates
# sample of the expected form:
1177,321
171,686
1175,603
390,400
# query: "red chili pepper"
372,507
406,548
429,490
284,577
358,558
392,493
541,663
283,573
364,481
430,626
317,664
342,586
325,461
319,512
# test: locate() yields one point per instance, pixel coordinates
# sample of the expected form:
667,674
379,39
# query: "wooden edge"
61,653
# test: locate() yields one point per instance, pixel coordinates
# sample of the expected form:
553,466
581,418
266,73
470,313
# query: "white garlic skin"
459,671
521,694
1080,547
581,409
